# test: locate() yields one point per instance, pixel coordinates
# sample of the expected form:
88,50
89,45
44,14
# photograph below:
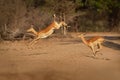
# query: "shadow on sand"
112,37
97,58
111,44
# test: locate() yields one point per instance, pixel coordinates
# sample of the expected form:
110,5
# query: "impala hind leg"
99,48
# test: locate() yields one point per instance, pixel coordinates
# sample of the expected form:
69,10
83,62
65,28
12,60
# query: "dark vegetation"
82,15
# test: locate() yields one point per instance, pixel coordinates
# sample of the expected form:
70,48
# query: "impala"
47,31
93,42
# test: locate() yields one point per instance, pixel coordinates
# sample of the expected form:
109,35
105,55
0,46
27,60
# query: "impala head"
58,25
63,20
62,23
81,35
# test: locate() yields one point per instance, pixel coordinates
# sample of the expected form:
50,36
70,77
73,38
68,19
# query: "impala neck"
84,40
57,25
60,24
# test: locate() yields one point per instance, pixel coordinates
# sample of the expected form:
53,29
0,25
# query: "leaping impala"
93,42
47,31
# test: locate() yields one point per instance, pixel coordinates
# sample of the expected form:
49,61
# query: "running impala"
47,31
93,42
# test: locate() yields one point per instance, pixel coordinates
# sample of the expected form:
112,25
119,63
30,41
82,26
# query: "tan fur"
47,31
95,41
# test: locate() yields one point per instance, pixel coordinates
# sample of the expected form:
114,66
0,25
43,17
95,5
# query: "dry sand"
60,59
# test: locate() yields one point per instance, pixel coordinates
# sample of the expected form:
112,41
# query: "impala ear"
54,16
84,33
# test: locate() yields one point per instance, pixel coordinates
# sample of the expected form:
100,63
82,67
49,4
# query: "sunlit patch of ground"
60,58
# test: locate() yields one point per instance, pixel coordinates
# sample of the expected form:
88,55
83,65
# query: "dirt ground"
60,58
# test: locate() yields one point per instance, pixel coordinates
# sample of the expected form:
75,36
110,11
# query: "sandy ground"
60,59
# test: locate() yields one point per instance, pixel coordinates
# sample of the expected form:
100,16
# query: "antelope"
93,42
47,31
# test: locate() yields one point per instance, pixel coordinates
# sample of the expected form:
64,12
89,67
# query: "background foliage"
82,15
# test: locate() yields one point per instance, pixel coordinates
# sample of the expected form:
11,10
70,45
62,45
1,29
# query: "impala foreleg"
93,50
64,30
32,42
